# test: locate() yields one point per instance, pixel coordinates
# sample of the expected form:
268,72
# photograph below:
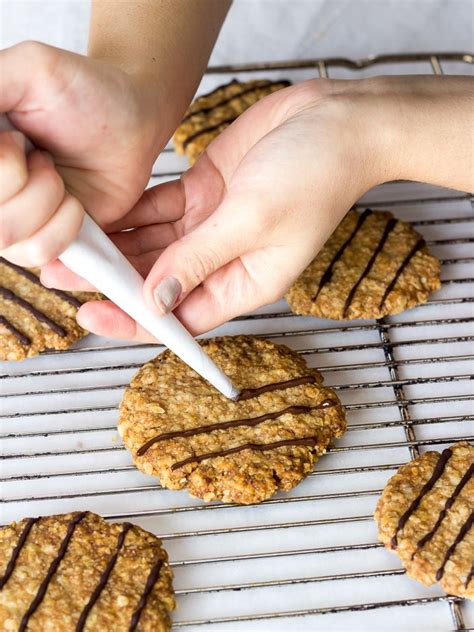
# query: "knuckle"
199,264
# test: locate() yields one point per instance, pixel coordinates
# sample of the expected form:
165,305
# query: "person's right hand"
101,130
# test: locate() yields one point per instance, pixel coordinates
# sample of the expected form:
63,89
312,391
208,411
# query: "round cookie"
426,515
34,318
181,429
372,265
211,113
75,572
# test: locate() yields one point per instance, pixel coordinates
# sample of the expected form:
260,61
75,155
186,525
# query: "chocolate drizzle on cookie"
51,571
418,246
390,225
258,447
24,340
17,550
449,503
267,85
8,295
284,83
251,422
208,130
250,393
460,536
469,577
150,582
104,577
327,276
427,487
27,274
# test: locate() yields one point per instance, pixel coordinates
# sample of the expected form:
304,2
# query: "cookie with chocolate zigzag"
211,113
76,572
426,516
372,265
34,318
181,429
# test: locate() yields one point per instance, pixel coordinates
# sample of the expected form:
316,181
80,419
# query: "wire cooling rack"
308,559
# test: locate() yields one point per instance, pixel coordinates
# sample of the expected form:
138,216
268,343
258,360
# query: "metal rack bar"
394,354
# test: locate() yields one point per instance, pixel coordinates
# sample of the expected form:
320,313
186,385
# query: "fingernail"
167,293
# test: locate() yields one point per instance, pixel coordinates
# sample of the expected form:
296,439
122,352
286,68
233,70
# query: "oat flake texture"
177,426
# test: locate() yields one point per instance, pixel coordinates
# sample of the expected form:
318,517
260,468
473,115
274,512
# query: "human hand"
241,225
102,133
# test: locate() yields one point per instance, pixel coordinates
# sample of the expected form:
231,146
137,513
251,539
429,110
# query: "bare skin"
242,224
103,119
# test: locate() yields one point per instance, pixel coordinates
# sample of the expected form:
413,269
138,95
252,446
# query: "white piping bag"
94,257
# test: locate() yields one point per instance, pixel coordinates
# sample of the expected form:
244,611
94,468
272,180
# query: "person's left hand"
240,226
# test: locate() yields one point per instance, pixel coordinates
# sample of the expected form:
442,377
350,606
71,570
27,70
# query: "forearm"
423,129
165,44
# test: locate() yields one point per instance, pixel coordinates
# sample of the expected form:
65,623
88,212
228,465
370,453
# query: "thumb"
186,263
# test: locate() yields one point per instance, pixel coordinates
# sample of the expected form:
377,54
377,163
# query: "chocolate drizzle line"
449,503
460,536
387,230
469,577
249,393
17,550
8,295
104,578
51,571
418,246
150,582
327,276
208,130
259,447
267,84
72,300
428,486
14,331
252,421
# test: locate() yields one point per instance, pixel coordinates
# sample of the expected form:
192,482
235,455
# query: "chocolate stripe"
259,447
327,276
51,571
72,300
418,246
427,487
387,230
221,87
252,421
249,393
264,84
460,536
17,550
150,582
104,578
469,577
208,130
14,331
449,503
8,295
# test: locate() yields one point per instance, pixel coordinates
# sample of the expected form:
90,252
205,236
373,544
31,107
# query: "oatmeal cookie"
76,572
211,113
34,318
426,515
372,265
180,428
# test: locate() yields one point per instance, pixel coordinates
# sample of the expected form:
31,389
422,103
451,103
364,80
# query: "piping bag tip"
95,257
